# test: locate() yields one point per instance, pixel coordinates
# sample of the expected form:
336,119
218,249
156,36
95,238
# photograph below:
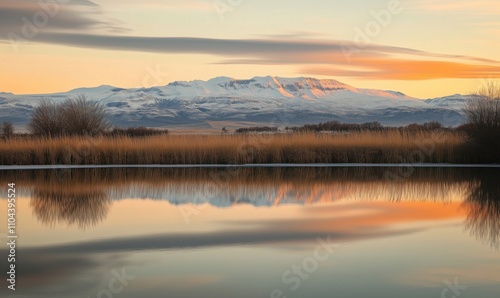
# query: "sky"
424,48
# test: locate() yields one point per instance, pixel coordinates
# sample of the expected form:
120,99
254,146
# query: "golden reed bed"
359,147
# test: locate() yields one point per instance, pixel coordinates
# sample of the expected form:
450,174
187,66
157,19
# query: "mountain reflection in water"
84,197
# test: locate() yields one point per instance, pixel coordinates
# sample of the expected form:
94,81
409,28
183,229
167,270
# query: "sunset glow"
422,48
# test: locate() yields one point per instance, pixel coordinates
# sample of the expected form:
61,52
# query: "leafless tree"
482,112
7,129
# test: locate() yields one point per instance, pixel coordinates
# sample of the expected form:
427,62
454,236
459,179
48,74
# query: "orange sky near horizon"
422,48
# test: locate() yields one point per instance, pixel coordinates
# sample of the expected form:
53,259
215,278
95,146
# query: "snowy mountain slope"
454,102
260,100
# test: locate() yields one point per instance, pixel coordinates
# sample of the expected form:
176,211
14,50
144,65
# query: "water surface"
256,232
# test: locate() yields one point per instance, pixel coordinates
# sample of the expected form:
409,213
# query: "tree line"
337,126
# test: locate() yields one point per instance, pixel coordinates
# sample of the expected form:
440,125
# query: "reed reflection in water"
84,197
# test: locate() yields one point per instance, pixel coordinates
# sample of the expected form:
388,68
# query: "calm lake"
255,232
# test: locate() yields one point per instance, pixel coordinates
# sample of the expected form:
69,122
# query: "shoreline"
278,165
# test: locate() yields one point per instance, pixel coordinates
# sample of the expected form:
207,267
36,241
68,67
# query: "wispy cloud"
313,57
408,69
34,17
82,23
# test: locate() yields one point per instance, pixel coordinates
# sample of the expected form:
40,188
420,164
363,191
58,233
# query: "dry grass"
362,147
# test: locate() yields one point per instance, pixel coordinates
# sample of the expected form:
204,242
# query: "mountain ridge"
254,101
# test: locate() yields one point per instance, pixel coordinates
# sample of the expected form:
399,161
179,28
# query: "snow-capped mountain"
271,101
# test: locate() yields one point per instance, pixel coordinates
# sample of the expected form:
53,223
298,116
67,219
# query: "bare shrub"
84,117
47,120
76,116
